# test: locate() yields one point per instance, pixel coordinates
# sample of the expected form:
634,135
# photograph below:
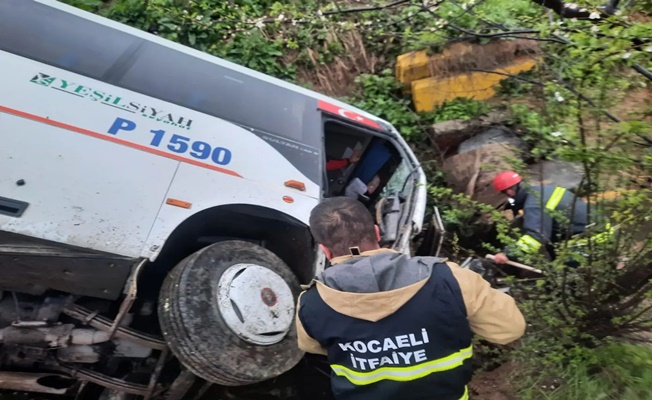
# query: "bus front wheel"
227,313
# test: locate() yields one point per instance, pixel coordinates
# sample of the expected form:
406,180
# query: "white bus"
154,198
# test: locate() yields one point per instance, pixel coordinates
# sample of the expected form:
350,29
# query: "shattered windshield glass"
399,182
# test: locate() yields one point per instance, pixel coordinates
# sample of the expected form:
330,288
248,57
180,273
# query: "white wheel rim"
256,303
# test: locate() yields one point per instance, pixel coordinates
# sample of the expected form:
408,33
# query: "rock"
489,160
479,159
495,117
559,173
448,135
454,126
500,135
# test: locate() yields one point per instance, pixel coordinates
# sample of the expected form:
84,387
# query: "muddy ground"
314,385
494,385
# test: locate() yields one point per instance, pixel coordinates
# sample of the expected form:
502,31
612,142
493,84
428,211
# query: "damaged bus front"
154,201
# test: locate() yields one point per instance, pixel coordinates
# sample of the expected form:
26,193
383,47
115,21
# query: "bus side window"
63,40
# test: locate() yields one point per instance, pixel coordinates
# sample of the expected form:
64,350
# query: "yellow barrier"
430,93
411,67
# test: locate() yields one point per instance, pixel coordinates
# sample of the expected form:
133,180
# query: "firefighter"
392,326
541,207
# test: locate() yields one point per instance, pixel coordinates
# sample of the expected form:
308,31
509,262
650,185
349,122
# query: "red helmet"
506,180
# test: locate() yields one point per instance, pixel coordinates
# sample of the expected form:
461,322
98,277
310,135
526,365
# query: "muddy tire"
227,313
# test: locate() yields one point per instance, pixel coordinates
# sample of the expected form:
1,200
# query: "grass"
617,371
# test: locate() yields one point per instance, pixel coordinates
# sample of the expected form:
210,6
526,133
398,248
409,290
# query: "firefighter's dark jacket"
395,327
540,206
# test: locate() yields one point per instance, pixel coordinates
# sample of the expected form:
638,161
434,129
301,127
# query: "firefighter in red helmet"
507,182
540,204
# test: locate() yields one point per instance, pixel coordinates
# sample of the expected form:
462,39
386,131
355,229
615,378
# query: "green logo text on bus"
120,103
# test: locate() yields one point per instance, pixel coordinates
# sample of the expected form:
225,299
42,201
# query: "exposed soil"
636,105
462,57
337,78
314,383
494,385
640,17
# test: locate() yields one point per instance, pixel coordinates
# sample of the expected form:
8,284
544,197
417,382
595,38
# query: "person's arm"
537,226
334,165
305,341
492,314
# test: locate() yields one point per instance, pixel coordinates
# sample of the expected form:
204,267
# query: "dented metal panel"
32,267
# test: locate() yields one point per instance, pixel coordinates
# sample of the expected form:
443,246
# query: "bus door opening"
358,165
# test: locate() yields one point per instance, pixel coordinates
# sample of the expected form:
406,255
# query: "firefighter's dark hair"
340,223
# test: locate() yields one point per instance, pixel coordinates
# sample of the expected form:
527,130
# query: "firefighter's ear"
327,251
377,229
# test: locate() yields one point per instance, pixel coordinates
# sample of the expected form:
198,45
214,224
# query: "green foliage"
87,5
570,311
538,130
382,95
463,217
258,53
573,309
458,211
519,13
462,109
643,6
221,29
512,88
616,371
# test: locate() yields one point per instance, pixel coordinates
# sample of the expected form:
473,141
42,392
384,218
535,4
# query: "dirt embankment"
495,385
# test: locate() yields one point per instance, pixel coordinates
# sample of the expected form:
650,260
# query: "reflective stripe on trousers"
404,374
